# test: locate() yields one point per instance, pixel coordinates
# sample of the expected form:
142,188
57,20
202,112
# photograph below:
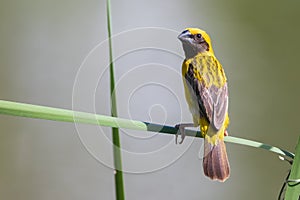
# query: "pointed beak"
184,36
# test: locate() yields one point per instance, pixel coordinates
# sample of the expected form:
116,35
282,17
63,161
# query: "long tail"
215,161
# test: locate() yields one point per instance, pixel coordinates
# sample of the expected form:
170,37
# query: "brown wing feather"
213,100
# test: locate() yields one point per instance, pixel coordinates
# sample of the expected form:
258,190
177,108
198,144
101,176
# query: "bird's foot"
181,131
225,133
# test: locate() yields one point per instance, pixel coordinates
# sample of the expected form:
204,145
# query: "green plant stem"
57,114
119,186
293,182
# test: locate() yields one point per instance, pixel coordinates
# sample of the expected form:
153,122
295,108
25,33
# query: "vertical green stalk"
119,188
293,182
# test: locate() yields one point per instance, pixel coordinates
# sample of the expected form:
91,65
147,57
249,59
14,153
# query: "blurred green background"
43,43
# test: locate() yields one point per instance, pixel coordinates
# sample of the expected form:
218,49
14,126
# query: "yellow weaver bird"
206,93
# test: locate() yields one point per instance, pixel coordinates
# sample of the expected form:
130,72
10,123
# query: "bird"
206,93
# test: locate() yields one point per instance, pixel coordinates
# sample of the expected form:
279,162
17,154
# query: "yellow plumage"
208,75
206,93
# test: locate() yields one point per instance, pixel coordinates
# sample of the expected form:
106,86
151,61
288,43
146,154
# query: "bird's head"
195,41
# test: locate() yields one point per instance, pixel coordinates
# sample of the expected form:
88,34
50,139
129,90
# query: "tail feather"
215,161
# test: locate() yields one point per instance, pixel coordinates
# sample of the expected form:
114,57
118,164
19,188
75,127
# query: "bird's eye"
199,36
